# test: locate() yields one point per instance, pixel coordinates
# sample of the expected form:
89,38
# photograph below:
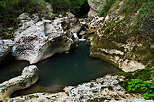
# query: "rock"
95,7
28,77
131,65
41,97
112,39
5,47
108,88
39,39
92,13
49,8
70,15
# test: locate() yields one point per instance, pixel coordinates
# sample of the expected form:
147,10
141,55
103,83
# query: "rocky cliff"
125,37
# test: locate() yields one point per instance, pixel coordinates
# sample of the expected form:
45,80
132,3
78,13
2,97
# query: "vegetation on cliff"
128,27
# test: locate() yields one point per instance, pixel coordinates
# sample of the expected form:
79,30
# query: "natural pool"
60,70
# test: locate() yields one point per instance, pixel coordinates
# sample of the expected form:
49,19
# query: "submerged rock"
39,39
5,47
28,77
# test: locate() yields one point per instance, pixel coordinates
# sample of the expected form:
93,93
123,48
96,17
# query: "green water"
67,69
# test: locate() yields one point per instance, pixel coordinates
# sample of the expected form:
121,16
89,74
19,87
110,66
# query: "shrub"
66,5
140,86
76,5
106,7
11,9
60,5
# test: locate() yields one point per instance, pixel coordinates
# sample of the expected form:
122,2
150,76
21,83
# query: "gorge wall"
125,38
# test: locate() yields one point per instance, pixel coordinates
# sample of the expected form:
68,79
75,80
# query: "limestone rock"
28,77
92,13
49,8
114,41
39,39
108,88
5,47
95,7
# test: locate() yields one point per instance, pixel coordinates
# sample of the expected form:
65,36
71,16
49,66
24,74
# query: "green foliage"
144,74
60,5
76,5
66,5
140,86
107,7
11,9
143,82
132,6
146,9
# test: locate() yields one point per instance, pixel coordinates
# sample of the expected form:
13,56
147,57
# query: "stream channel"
60,70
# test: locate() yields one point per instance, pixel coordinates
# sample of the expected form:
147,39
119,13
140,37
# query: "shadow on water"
66,69
11,68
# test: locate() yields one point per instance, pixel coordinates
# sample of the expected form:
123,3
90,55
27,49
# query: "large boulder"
38,39
5,47
28,77
95,7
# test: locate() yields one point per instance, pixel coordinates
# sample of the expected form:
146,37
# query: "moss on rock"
128,29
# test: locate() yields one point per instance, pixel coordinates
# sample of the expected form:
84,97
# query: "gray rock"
95,7
28,77
5,47
107,88
39,40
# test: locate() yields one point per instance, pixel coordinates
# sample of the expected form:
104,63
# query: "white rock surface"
131,65
108,87
95,7
5,47
28,77
37,40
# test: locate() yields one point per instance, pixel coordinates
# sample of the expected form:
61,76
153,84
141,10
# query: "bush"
66,5
11,9
60,5
76,5
106,7
140,86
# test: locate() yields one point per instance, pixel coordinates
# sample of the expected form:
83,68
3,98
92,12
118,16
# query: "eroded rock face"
28,77
95,7
39,39
5,47
108,88
127,44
